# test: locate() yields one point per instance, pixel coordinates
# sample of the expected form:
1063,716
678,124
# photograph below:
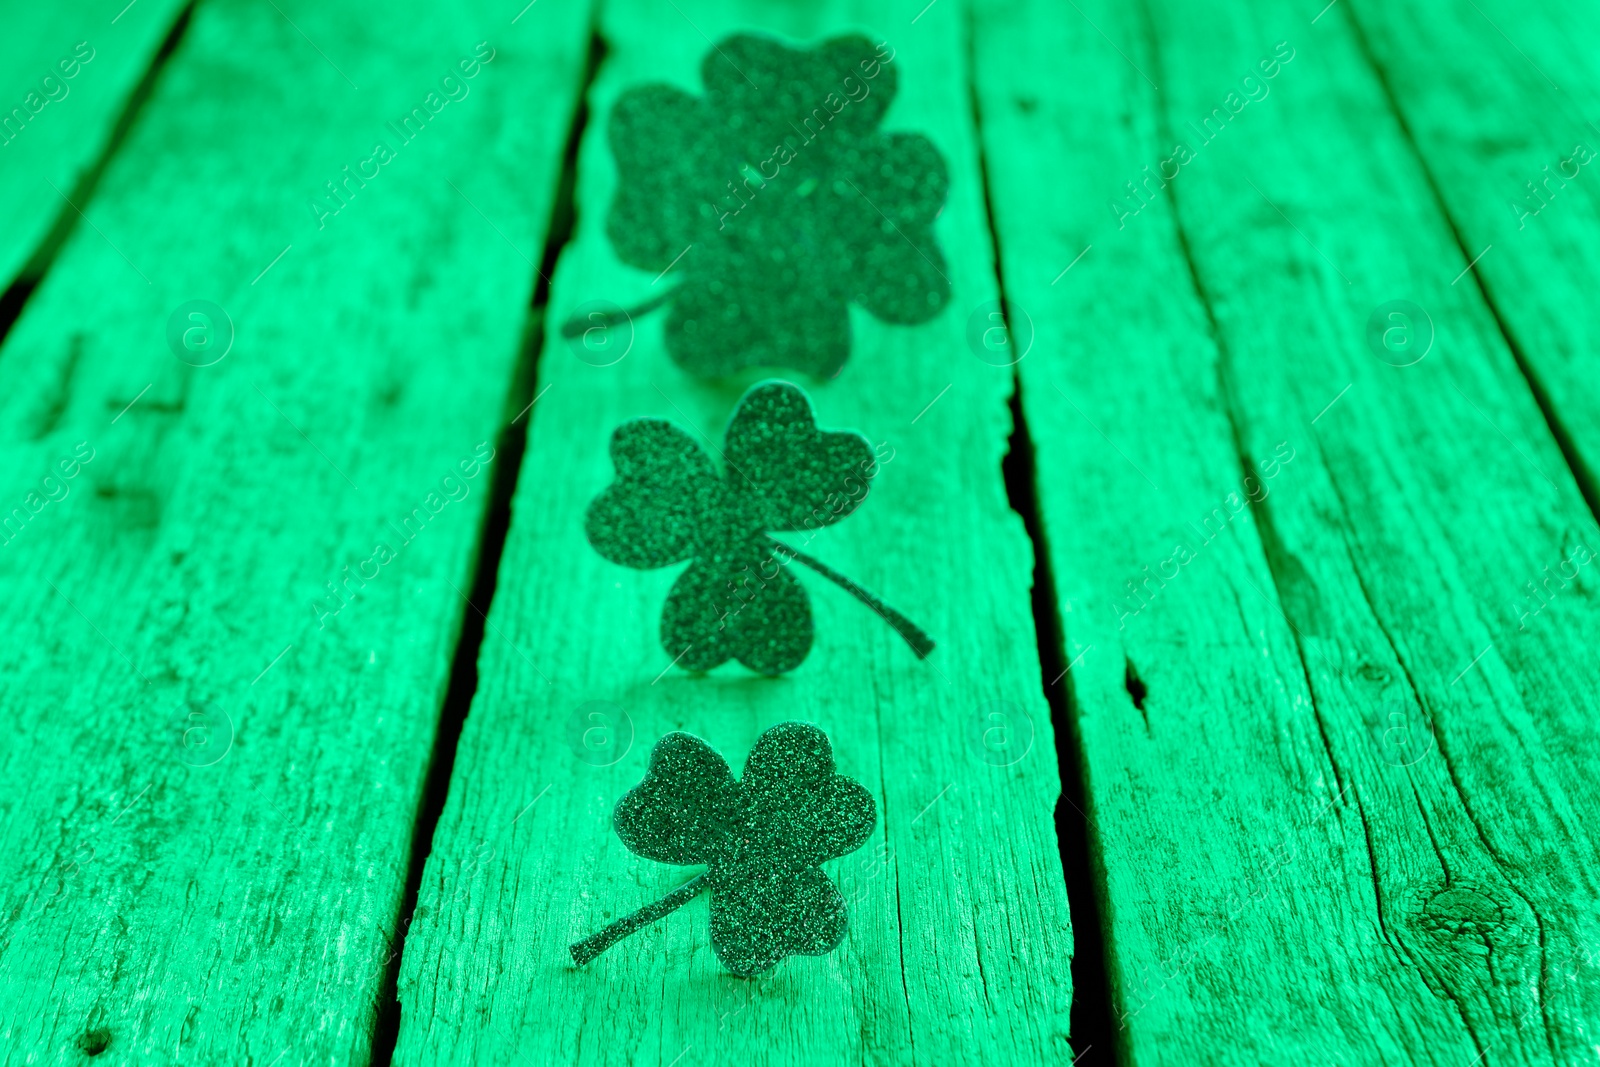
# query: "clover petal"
808,813
663,144
759,917
903,180
773,632
852,56
749,108
762,839
693,626
800,477
717,612
665,485
686,807
722,322
776,200
795,85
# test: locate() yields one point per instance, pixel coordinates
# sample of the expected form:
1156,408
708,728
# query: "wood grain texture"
242,911
45,152
1496,97
958,949
1330,831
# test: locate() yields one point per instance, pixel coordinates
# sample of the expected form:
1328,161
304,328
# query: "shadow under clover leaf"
762,838
773,202
669,504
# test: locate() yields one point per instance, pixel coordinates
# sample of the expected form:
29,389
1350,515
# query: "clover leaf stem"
576,327
591,946
914,635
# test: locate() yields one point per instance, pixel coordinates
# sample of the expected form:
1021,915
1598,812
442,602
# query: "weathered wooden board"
958,949
233,899
66,75
1498,98
1338,778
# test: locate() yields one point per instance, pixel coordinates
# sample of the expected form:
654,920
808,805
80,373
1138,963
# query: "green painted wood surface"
78,106
959,945
243,911
1295,871
1339,752
1497,96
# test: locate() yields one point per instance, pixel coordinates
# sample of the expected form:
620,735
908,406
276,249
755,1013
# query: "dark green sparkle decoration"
773,201
762,838
669,503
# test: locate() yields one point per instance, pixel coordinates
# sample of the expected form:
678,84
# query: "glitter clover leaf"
762,838
774,201
669,503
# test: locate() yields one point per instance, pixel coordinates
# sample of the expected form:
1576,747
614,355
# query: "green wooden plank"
68,72
160,907
1342,821
1497,97
959,943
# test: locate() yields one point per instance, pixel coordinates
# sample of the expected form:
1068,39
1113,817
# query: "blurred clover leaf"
774,201
762,838
737,599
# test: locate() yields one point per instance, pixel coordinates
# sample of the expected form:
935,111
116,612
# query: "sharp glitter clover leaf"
762,838
669,503
773,202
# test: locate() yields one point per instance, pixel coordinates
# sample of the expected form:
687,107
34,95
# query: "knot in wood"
1375,672
1472,919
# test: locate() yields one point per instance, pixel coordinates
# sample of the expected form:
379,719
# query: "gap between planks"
1581,475
1090,1020
15,296
512,445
